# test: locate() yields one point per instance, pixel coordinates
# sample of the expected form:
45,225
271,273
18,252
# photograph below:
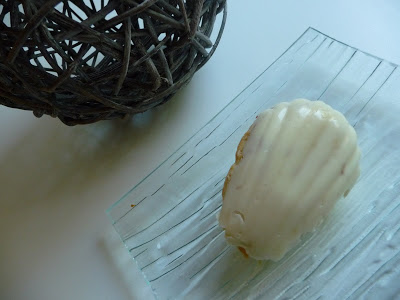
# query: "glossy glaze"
298,159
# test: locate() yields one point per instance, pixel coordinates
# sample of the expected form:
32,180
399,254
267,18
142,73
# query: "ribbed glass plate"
173,233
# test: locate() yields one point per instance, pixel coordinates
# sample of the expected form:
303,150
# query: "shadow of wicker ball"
85,61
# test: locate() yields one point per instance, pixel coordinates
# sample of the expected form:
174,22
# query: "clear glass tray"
173,233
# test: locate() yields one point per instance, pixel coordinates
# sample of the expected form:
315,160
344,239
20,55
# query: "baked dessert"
292,165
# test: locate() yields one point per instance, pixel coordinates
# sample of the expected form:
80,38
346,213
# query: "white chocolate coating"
298,160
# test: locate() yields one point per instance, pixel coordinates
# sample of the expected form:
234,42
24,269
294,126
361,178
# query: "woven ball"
88,60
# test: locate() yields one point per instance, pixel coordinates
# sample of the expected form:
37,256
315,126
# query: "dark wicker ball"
89,60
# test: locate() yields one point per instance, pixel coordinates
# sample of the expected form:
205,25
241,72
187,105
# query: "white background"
56,181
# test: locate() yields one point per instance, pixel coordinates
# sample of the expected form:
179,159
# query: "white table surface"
56,181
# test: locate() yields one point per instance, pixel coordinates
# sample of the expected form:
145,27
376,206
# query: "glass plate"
173,233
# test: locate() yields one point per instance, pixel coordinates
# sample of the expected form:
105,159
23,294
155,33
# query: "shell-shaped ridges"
298,160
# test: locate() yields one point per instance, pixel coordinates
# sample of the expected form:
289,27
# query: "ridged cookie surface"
293,164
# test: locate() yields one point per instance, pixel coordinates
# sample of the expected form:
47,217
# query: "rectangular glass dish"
173,233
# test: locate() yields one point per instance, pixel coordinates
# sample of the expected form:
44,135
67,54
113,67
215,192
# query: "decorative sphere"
85,61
